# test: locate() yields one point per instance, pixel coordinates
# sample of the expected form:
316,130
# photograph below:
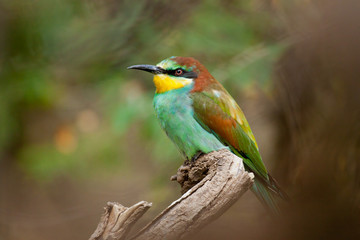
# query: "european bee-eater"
200,116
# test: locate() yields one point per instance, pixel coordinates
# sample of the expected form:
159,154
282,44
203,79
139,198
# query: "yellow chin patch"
164,83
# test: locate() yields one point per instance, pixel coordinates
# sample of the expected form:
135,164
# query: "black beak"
148,68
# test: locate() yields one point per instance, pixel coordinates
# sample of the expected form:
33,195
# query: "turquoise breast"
175,113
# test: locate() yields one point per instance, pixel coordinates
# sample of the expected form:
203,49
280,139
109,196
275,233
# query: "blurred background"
78,130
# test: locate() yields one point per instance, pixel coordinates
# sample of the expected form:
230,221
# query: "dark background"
77,129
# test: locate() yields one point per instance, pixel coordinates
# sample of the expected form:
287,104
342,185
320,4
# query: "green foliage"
68,104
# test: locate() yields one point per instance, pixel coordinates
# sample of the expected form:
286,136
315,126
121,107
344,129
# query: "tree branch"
117,220
210,185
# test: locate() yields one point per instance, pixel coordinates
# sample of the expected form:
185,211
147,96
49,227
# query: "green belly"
175,113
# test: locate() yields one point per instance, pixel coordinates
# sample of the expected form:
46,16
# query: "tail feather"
278,190
267,196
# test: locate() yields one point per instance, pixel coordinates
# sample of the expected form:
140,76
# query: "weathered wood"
117,220
211,184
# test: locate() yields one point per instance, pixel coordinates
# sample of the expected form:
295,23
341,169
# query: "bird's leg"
196,156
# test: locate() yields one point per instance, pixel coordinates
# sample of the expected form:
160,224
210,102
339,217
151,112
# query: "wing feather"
218,113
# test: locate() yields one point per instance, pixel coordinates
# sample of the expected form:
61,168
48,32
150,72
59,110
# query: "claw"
196,156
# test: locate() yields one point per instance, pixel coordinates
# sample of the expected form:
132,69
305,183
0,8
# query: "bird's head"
176,72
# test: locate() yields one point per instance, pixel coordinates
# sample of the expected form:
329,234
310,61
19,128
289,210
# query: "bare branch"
117,220
210,185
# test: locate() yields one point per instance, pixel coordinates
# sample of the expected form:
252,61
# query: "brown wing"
217,112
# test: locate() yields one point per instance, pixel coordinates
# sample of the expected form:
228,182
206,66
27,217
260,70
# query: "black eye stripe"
190,75
172,72
185,74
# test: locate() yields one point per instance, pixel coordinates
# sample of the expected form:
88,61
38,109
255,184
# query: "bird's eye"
178,72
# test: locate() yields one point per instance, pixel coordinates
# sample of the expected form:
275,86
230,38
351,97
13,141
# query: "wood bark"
210,185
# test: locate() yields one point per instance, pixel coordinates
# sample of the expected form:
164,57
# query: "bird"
199,115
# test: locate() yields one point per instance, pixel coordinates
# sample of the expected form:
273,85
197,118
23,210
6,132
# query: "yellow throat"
164,83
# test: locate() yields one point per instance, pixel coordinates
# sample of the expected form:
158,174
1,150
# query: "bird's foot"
196,156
